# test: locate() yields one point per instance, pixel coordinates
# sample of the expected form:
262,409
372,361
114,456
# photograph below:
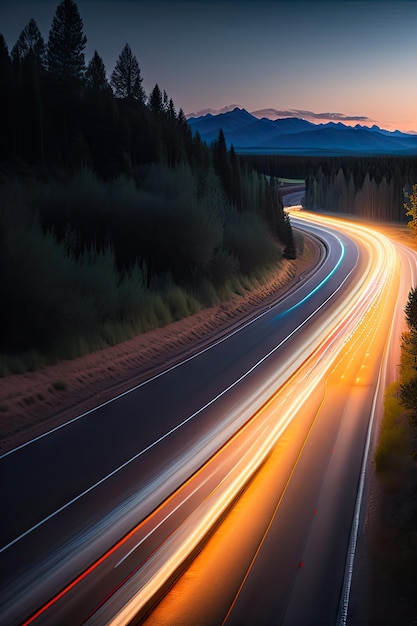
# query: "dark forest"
114,218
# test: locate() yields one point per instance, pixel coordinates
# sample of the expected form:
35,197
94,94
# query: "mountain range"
292,135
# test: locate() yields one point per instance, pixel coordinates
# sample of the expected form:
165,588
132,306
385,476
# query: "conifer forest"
114,218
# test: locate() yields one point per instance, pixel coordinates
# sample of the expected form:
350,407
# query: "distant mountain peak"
226,109
294,135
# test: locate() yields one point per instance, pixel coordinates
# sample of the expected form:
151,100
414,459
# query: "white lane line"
178,426
156,376
149,447
353,539
162,522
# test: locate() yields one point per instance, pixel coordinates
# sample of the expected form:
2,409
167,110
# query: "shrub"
85,264
223,265
248,238
180,303
392,437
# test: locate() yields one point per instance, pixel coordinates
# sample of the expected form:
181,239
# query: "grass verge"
158,307
394,543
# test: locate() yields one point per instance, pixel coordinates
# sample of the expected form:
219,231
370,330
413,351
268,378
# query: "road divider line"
175,428
165,371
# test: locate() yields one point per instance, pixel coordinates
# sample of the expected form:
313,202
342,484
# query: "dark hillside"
115,218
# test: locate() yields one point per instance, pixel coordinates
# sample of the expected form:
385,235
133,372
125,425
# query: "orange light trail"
337,332
378,302
363,303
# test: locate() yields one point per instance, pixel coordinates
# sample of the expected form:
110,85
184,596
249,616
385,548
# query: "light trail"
357,331
35,586
185,421
364,306
351,324
323,282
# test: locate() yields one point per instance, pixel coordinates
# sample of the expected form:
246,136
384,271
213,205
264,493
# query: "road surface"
124,480
285,555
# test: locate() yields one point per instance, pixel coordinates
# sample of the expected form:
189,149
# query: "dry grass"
71,387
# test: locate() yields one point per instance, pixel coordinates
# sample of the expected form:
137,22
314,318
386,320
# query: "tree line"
373,187
380,188
408,389
114,218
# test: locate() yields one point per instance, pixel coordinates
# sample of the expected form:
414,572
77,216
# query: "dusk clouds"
312,116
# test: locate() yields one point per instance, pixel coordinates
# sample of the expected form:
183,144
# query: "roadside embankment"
34,402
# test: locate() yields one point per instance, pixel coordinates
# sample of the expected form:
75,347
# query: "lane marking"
279,302
343,608
162,521
320,285
175,428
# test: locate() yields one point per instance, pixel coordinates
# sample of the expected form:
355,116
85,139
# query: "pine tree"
236,179
171,113
30,42
182,121
95,74
410,310
126,79
155,101
408,397
165,101
411,209
290,251
222,163
66,44
408,390
8,101
29,63
6,73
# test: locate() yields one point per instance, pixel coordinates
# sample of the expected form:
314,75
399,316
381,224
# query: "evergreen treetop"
30,42
155,101
66,44
410,310
126,79
95,75
411,209
4,53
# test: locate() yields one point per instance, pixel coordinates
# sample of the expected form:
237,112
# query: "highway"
330,470
108,507
295,557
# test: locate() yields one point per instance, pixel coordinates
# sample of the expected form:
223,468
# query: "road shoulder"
35,402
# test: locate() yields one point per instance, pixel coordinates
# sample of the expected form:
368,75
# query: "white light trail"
354,323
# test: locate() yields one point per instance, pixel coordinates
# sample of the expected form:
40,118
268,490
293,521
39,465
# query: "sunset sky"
354,59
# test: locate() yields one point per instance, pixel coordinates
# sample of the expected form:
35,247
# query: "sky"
353,61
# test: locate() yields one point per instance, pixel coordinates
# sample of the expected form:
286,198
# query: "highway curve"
286,551
72,495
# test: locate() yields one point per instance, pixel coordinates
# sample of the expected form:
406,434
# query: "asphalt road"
302,572
72,494
286,551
